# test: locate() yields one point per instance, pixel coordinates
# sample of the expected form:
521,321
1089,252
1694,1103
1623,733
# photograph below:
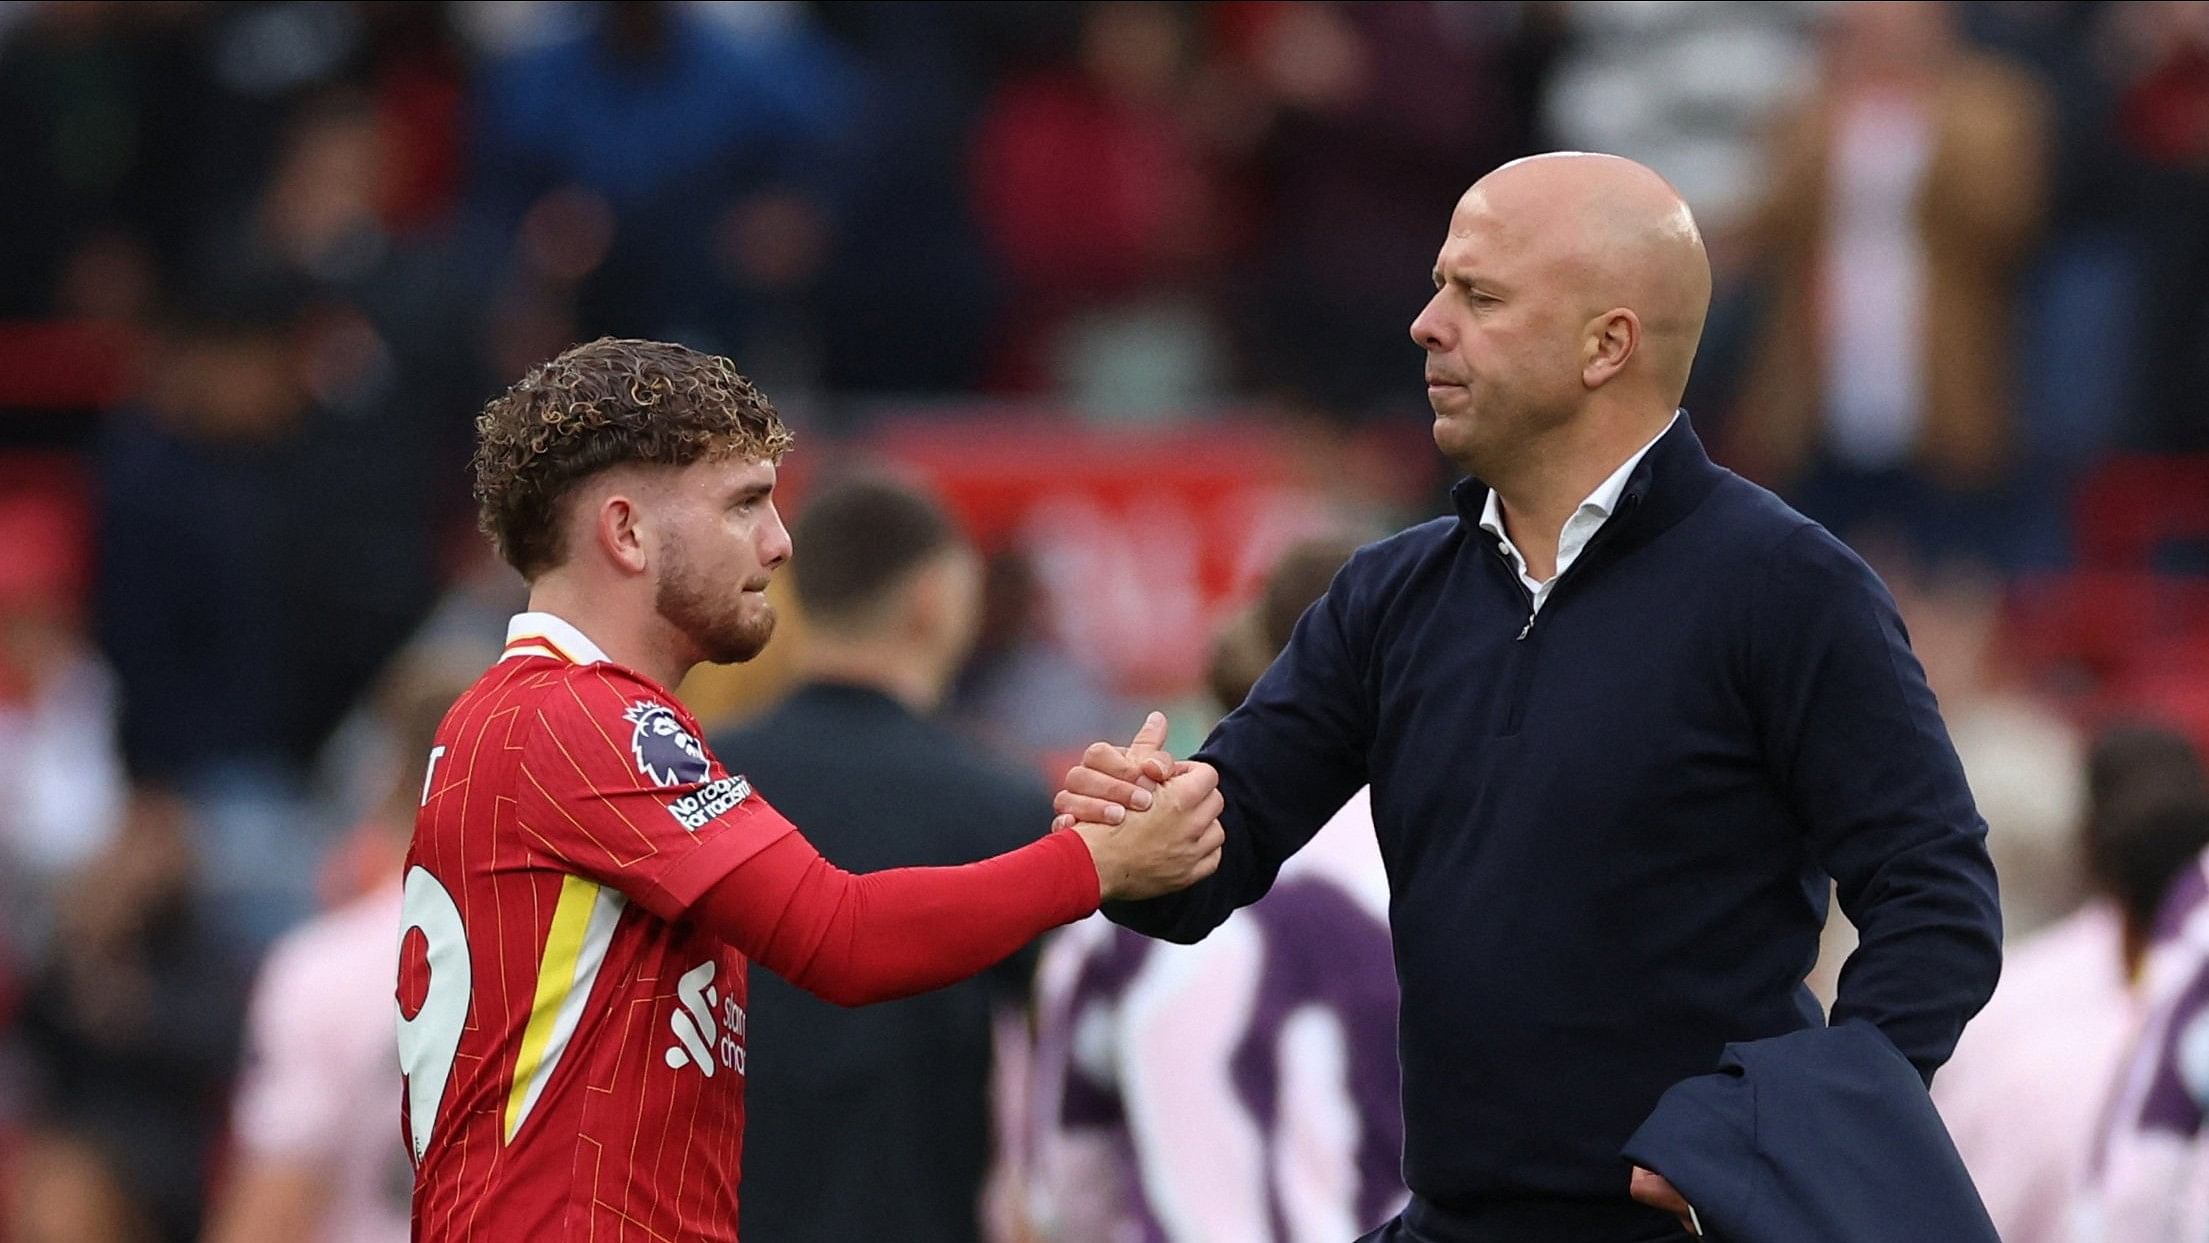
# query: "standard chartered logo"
709,1028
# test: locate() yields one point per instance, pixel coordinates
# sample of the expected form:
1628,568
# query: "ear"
942,602
921,603
1610,340
616,526
962,600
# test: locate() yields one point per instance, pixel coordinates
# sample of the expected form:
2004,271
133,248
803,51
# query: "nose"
1428,328
774,547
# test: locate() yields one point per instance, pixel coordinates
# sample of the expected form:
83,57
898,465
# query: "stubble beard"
1496,443
710,615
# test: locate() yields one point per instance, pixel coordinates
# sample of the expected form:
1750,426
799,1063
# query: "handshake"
1152,825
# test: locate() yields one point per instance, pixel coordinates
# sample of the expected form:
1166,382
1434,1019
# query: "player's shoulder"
637,716
599,697
562,689
515,682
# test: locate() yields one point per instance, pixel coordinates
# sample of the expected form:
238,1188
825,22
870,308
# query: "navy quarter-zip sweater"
1608,832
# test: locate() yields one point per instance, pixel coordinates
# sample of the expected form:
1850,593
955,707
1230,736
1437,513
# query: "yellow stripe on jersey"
556,978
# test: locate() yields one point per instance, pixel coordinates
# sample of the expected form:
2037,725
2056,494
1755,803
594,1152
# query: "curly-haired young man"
587,883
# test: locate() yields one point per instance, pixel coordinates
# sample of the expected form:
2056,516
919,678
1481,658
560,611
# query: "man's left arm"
1852,733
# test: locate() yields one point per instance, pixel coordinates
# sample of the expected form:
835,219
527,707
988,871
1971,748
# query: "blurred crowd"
264,261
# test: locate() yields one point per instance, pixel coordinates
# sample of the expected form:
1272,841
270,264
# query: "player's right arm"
714,852
857,939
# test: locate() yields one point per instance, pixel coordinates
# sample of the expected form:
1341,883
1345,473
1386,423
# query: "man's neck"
1555,479
910,678
643,643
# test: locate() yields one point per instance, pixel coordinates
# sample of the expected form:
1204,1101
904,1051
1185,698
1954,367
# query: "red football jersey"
573,1050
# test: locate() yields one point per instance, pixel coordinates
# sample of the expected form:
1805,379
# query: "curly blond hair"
599,405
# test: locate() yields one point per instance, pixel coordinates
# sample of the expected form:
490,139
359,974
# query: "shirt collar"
543,634
1604,500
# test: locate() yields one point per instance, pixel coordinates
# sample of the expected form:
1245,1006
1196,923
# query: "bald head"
1604,233
1569,297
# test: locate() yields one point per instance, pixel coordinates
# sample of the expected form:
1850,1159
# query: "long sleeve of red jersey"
858,939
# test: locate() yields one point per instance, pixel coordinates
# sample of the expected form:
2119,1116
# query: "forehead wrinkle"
1525,260
1482,245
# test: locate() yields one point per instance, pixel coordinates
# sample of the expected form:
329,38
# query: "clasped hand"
1152,825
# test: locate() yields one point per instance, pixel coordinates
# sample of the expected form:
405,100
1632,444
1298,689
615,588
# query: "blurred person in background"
1906,193
2084,349
389,316
259,559
196,551
2033,1072
1106,149
62,784
660,169
101,115
2159,54
2147,1170
1688,87
130,1032
134,130
875,1123
1348,122
1023,693
1244,1089
2027,762
907,281
379,343
312,1157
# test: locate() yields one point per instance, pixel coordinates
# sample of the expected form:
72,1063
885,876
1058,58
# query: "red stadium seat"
2170,685
66,364
2130,624
45,531
2100,623
2131,508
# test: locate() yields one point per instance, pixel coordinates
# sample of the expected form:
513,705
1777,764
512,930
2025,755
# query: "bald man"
1623,713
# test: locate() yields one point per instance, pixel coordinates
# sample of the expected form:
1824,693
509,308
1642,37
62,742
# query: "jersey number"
430,1039
430,774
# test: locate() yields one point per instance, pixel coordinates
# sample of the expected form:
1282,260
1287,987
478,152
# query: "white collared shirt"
542,634
1579,529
